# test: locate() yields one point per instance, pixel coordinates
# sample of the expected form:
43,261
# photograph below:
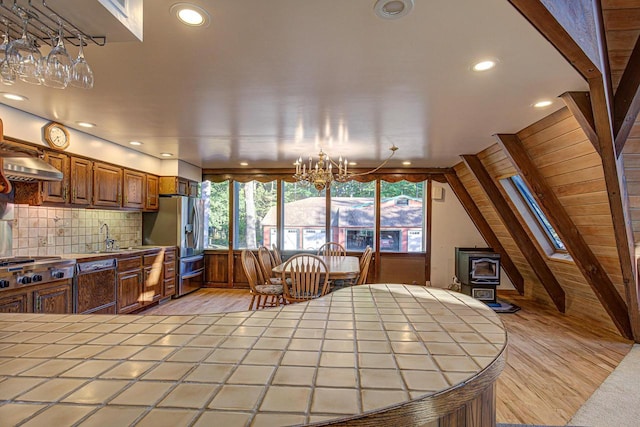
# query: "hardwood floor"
554,362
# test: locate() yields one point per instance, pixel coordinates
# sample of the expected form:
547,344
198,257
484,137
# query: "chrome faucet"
108,241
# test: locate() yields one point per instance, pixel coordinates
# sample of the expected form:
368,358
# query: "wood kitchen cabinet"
133,189
57,191
177,186
153,194
50,298
107,185
56,299
14,303
169,273
153,283
74,188
129,284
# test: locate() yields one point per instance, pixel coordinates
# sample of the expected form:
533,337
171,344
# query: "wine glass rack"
43,22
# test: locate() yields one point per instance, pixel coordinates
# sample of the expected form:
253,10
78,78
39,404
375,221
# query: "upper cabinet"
176,186
134,189
54,191
81,181
152,202
107,185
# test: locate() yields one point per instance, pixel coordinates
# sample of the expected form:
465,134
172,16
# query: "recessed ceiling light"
190,14
244,164
406,163
14,97
484,65
352,163
86,124
166,154
393,9
543,103
135,142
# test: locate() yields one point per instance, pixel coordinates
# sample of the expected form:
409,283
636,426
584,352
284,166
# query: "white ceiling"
264,72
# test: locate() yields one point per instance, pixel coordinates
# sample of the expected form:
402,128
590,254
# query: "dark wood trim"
486,231
544,21
230,262
280,215
582,255
626,104
602,102
376,235
517,231
579,103
427,248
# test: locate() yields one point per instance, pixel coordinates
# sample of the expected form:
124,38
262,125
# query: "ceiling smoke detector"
393,9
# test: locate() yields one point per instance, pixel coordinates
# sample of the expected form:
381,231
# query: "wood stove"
478,270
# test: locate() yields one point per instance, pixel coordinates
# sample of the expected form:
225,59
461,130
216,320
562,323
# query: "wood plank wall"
572,167
622,24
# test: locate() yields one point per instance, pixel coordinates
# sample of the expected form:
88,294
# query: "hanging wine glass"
81,74
24,57
7,75
57,68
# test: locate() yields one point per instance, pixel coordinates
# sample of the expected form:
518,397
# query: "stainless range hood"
30,169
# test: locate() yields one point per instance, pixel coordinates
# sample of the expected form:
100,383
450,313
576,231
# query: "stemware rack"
43,22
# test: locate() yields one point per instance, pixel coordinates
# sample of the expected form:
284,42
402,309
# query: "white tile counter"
365,355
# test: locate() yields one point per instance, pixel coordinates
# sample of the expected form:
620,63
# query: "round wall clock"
56,135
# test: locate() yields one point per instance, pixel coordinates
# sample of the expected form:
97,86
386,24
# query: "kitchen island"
365,355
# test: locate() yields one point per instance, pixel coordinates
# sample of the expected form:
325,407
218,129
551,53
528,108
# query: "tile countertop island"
373,355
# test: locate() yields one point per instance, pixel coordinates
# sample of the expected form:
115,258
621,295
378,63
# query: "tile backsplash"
39,231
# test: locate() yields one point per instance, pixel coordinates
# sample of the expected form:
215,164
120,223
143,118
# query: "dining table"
338,267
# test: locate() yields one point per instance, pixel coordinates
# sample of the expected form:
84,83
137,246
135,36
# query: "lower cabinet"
153,265
14,303
169,273
50,298
129,284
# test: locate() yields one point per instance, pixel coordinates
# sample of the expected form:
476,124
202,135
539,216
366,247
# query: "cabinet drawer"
151,259
132,263
170,256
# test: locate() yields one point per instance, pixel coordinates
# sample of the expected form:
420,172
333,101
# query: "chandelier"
322,174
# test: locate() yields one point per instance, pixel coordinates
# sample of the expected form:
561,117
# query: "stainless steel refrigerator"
179,222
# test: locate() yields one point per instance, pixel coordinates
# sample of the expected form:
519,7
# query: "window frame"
532,214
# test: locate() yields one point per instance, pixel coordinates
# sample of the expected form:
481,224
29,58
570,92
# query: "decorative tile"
128,370
375,399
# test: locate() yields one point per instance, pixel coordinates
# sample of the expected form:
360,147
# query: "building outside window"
402,216
353,214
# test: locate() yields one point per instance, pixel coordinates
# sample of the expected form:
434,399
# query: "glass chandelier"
322,175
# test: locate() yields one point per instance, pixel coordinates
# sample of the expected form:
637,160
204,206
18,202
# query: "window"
305,217
255,207
216,197
532,214
402,216
353,214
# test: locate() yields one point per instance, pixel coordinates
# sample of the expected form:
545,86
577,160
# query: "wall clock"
56,135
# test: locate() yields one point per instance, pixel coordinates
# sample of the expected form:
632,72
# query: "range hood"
30,169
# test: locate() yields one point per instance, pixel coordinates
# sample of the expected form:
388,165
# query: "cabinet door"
107,185
152,201
14,303
129,290
152,288
81,181
193,189
169,273
53,300
133,192
57,191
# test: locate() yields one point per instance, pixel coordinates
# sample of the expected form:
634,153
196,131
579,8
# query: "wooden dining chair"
266,262
305,277
271,293
277,256
365,261
332,249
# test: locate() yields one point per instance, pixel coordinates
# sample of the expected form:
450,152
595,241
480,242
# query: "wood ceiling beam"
626,104
517,232
547,24
582,255
485,230
579,103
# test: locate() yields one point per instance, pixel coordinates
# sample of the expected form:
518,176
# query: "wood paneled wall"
568,161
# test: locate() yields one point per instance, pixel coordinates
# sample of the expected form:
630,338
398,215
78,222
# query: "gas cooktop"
20,271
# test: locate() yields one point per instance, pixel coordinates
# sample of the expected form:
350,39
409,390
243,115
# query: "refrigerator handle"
196,223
